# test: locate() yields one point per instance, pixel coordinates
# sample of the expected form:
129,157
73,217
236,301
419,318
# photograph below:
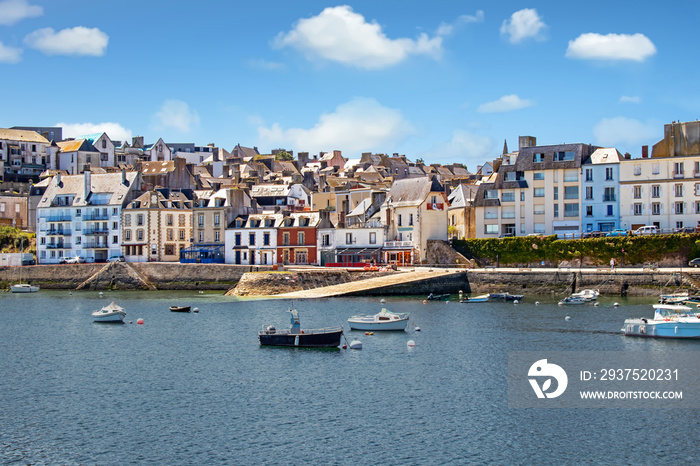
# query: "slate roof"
605,155
525,160
269,190
463,195
412,191
157,168
178,199
100,184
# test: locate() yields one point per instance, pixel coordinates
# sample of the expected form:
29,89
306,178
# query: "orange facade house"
296,239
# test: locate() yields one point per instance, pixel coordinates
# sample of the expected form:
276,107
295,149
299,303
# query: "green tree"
283,156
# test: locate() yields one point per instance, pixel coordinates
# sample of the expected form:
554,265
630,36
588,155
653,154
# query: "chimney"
58,179
88,184
645,152
124,176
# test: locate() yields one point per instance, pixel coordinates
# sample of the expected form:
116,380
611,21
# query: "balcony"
398,244
95,216
57,232
435,206
57,218
58,246
608,198
94,231
92,245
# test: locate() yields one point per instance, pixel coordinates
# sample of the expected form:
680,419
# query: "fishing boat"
573,300
295,336
587,295
385,320
23,287
438,297
482,298
109,313
506,296
674,298
670,321
180,308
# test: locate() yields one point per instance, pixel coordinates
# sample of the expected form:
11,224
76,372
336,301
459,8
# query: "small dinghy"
180,308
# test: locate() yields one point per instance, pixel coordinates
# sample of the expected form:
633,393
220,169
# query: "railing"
95,246
608,198
57,218
95,232
398,244
56,232
58,246
94,216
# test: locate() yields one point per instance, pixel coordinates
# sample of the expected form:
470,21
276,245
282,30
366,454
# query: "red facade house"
296,238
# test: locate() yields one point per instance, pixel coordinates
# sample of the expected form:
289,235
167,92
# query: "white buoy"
356,344
201,292
560,303
515,301
70,293
615,304
410,343
416,329
101,294
382,300
595,304
537,303
196,309
567,318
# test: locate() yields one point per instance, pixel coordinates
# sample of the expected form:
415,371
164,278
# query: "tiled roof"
412,191
22,135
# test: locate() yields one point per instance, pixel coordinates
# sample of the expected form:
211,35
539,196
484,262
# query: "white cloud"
445,29
621,130
13,11
359,125
464,147
266,65
72,41
523,24
592,46
115,131
507,103
175,114
341,35
9,54
626,99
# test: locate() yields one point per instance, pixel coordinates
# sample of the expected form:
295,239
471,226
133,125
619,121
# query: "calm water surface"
198,388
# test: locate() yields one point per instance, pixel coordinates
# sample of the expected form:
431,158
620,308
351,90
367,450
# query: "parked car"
646,230
75,260
695,262
686,230
617,232
594,234
116,259
507,235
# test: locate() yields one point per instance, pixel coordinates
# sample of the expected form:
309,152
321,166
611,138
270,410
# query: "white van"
646,230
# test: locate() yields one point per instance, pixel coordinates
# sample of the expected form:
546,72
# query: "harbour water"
198,388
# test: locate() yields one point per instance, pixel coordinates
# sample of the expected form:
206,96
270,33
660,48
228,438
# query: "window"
570,175
589,192
679,224
115,225
201,220
565,156
251,239
508,212
410,219
655,208
127,220
570,210
510,176
522,196
637,169
372,238
326,240
491,194
589,211
637,209
127,235
348,238
538,176
679,208
285,238
491,214
300,237
539,209
266,238
169,220
201,236
169,234
217,220
539,228
538,157
556,210
237,239
678,169
399,219
182,235
139,220
169,249
608,174
697,208
217,236
115,239
508,196
571,192
655,190
655,169
491,229
556,193
678,189
637,192
589,174
139,235
609,195
539,192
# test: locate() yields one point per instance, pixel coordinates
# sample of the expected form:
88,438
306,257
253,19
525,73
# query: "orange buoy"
139,321
425,301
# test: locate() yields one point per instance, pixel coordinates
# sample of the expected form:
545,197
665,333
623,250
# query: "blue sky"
446,81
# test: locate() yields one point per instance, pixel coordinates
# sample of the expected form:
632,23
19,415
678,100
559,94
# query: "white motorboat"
385,320
674,298
587,295
573,300
24,288
670,321
109,313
